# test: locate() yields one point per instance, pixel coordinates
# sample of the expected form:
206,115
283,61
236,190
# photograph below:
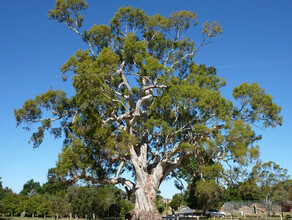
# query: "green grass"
49,218
234,216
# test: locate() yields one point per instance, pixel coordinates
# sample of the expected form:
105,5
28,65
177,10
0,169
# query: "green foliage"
9,204
59,204
32,204
55,101
176,201
250,191
261,105
43,208
30,186
290,193
54,184
103,201
266,182
3,191
270,177
204,195
68,11
160,203
232,194
209,194
287,184
125,206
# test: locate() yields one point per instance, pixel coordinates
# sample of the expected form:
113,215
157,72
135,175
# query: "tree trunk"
145,203
146,187
145,206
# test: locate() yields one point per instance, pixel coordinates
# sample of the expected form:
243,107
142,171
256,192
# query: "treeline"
56,199
266,182
208,194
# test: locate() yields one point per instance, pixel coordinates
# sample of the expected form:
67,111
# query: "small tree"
143,105
204,194
176,201
269,176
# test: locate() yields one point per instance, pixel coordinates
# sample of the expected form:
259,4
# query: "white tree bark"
146,187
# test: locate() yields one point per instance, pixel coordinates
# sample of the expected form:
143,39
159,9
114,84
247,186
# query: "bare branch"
58,118
152,87
190,54
120,169
79,33
119,101
126,83
112,181
138,106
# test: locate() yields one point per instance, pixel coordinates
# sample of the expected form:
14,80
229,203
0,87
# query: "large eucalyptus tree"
143,105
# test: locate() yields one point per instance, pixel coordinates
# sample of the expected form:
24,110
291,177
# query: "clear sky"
255,46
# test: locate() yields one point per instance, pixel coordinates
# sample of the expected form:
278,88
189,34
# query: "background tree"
103,201
54,183
4,191
269,177
143,105
32,205
176,201
21,202
31,187
43,208
59,204
84,201
204,190
9,204
250,190
266,181
232,194
288,187
205,194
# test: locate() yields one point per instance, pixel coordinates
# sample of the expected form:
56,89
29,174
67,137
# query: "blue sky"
255,47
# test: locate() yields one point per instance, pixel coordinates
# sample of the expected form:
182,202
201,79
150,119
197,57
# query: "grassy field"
239,217
36,218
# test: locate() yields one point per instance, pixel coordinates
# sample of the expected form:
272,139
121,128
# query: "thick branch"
152,87
120,169
112,181
138,106
171,164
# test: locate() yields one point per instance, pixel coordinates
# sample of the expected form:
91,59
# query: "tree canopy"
142,104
